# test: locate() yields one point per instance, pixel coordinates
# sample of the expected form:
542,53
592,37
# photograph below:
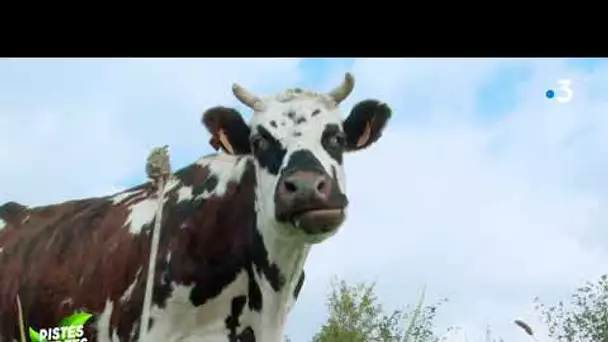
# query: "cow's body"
92,254
231,255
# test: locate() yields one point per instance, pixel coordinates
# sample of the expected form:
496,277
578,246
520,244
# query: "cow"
236,229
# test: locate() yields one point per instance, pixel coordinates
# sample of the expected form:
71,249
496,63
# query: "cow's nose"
310,201
304,186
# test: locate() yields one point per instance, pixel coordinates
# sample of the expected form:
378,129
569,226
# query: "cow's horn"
342,91
247,98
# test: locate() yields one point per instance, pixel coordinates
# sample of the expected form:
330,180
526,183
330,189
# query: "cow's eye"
337,140
259,143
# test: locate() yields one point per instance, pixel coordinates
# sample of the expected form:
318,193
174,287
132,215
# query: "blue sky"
474,159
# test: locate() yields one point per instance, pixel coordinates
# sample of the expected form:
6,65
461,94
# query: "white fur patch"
103,324
129,291
141,214
184,194
2,224
181,321
226,168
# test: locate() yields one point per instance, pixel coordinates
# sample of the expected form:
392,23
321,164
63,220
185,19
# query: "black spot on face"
291,114
303,160
316,112
273,124
283,123
270,157
297,134
333,142
300,120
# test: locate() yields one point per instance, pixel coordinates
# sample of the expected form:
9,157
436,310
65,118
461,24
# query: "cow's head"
297,140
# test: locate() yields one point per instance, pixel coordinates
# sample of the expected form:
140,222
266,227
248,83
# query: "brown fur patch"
67,257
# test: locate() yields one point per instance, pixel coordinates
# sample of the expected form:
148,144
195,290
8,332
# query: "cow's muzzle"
310,200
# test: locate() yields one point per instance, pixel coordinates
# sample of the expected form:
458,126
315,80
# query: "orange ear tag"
365,136
225,142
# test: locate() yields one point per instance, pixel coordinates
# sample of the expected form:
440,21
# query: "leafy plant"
585,319
356,316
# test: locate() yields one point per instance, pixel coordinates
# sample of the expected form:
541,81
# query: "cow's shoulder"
210,204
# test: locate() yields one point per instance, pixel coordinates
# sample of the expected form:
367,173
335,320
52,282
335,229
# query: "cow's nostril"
321,186
290,186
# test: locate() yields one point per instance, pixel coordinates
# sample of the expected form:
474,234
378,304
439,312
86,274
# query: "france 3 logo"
564,92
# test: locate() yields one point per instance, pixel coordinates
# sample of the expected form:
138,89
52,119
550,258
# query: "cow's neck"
289,255
287,252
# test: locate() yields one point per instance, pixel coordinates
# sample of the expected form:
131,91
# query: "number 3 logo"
564,86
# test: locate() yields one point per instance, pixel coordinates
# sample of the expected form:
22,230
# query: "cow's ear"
228,130
365,123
